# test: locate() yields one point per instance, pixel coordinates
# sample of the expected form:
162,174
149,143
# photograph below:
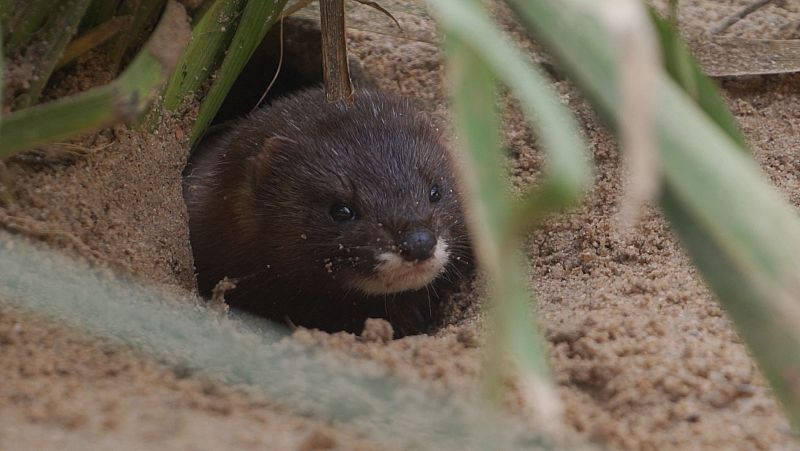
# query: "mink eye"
434,195
342,213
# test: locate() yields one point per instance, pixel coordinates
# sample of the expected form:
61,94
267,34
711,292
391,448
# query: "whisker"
428,297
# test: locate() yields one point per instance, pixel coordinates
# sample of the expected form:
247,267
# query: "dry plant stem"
335,68
56,34
296,6
122,100
257,18
93,39
739,15
734,57
210,39
422,28
380,8
277,71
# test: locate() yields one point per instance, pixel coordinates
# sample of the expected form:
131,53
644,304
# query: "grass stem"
210,39
257,18
743,236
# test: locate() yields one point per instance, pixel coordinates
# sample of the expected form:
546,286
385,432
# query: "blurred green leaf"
354,394
568,171
743,236
475,118
683,68
478,52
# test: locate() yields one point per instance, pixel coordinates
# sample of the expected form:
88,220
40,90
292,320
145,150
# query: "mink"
326,214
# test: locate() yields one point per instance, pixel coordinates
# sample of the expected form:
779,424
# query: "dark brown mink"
326,215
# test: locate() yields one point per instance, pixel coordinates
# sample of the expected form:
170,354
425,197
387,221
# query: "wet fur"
259,197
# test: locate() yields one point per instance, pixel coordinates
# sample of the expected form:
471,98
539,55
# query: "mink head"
365,195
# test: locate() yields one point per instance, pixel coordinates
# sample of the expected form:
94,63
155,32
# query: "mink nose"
418,245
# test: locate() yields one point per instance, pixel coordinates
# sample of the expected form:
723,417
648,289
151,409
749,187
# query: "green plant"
124,99
257,18
743,236
224,37
477,55
211,37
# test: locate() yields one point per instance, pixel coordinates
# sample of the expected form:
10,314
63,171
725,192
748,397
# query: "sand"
643,356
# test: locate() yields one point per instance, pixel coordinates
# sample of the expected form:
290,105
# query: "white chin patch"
393,274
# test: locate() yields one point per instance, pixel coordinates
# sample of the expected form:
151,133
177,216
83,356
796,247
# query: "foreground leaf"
743,236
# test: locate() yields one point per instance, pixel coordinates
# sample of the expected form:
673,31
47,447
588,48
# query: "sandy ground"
643,355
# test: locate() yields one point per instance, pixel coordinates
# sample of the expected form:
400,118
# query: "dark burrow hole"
301,68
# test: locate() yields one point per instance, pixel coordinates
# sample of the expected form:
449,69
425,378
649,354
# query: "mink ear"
258,163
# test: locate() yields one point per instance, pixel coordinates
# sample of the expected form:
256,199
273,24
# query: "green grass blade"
211,37
743,236
124,99
58,120
258,17
476,122
684,70
477,54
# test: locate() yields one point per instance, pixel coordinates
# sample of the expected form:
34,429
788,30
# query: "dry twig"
739,15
